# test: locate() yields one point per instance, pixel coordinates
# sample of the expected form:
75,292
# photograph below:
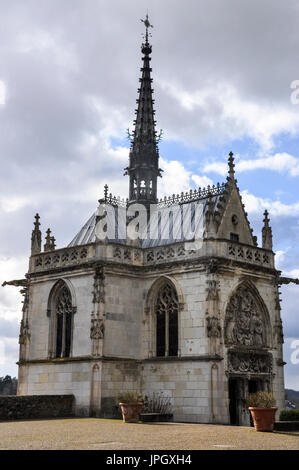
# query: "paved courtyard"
92,433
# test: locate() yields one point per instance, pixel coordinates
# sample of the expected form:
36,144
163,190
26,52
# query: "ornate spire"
36,237
144,154
50,242
267,233
231,166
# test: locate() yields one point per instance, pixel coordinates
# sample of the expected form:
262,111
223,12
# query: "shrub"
157,403
130,397
289,415
261,400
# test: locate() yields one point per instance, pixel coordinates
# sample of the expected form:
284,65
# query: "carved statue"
212,290
99,286
97,329
213,327
16,283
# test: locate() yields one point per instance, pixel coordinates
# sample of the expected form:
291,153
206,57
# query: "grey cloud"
9,329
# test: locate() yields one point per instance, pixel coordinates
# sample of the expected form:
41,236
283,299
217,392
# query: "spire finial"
106,188
266,219
267,232
147,25
48,245
36,223
231,165
36,237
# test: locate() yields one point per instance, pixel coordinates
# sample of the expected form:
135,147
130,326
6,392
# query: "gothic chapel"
200,324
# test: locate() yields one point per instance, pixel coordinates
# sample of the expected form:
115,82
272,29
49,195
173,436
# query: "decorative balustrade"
182,198
130,255
60,258
192,195
250,255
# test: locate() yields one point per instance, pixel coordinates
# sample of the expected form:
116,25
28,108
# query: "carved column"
97,329
213,320
214,392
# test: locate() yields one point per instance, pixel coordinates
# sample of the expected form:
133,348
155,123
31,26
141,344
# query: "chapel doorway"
235,388
238,389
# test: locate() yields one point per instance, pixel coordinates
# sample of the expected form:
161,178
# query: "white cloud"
13,203
175,178
256,204
216,167
292,273
280,162
279,258
233,116
202,181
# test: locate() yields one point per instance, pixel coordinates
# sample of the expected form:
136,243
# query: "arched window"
61,314
167,307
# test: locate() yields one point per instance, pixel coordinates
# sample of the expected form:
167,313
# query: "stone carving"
181,251
257,256
278,330
117,253
127,254
248,362
245,323
150,256
212,266
212,290
213,327
24,336
99,286
97,328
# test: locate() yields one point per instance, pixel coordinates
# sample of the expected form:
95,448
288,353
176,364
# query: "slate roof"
87,233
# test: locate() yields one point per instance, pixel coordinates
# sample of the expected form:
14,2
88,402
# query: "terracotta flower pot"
131,411
263,418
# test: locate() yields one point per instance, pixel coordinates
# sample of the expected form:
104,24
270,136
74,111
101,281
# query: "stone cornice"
190,264
65,360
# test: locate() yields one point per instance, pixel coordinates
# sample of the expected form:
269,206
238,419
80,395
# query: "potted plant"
262,408
131,404
157,407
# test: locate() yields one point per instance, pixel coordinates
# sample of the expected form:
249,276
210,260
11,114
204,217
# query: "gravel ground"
92,433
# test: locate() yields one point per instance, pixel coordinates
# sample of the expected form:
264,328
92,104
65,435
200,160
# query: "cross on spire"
36,223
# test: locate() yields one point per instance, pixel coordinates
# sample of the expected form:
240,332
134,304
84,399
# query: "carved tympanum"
245,322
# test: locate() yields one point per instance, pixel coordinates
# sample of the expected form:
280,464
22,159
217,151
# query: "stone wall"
117,377
35,406
62,378
195,392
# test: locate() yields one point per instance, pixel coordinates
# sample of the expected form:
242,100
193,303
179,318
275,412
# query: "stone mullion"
167,333
63,343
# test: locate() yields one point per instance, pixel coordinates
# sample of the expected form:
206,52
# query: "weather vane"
147,24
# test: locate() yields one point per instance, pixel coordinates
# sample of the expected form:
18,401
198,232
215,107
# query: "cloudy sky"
68,83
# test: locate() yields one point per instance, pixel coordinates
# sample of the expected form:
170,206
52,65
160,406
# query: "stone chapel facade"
202,325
